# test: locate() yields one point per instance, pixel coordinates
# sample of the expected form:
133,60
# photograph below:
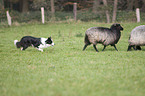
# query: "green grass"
66,70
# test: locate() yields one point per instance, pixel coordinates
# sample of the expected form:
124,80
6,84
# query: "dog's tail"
17,43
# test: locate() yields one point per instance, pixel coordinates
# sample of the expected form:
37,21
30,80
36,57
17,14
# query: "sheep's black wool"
105,36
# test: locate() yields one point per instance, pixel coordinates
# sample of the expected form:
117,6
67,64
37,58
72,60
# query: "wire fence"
82,15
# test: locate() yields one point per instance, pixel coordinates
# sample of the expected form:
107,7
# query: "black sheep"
105,36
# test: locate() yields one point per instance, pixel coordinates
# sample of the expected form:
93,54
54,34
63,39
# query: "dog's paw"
40,50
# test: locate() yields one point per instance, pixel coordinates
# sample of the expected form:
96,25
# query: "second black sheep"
105,36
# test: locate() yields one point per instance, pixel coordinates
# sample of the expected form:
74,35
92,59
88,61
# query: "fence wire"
82,15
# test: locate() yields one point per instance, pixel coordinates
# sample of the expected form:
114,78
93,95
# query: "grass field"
66,70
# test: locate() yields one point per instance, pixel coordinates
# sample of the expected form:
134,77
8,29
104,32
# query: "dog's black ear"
49,37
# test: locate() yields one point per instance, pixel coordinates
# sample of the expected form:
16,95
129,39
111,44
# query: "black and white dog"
38,43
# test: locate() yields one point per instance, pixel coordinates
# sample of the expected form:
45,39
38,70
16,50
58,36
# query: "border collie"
38,43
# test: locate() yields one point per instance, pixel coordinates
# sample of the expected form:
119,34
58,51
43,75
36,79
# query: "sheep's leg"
129,48
134,47
115,47
104,47
138,48
85,47
95,47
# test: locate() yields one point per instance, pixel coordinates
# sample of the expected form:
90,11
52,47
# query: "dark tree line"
66,5
96,7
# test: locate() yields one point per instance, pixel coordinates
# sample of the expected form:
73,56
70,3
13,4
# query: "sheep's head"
116,26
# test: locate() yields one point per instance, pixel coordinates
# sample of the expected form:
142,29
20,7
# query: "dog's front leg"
40,49
21,48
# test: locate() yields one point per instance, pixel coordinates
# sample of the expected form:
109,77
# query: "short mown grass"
66,70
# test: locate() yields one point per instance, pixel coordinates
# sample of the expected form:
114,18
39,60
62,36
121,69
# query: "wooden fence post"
9,18
75,11
42,13
138,14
